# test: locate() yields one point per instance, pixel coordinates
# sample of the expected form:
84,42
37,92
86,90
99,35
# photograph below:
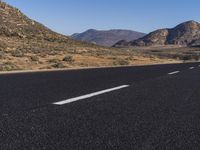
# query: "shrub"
3,46
196,57
58,65
190,57
120,62
68,59
34,58
17,53
54,60
2,54
8,66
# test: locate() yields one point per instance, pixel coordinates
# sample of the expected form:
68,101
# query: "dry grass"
28,45
183,54
31,55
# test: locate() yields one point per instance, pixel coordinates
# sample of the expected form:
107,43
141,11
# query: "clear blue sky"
71,16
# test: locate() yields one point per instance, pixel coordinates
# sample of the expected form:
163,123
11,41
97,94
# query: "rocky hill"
185,34
28,45
107,38
14,24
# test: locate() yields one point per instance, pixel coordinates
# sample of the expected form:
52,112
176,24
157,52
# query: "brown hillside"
185,34
28,45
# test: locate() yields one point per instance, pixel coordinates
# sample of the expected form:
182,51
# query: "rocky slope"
185,34
107,38
28,45
15,24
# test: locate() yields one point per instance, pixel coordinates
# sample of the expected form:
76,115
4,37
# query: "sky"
75,16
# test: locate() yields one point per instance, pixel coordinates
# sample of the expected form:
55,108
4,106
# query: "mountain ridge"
107,37
184,34
14,24
26,44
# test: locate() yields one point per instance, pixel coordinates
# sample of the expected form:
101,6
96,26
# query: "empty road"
124,108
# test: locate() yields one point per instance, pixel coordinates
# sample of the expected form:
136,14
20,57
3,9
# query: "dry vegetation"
182,54
31,55
28,45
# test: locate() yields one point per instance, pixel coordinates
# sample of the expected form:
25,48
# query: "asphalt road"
125,108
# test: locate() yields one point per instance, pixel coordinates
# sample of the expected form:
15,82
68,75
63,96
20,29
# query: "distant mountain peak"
191,22
91,30
188,25
184,34
107,37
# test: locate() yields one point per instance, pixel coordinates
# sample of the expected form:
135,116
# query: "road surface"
125,108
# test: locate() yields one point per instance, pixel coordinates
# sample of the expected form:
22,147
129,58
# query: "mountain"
27,44
107,38
195,43
185,34
14,24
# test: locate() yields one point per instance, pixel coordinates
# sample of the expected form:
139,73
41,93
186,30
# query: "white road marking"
90,95
175,72
191,68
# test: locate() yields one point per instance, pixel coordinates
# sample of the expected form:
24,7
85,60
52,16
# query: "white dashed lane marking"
90,95
102,92
175,72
